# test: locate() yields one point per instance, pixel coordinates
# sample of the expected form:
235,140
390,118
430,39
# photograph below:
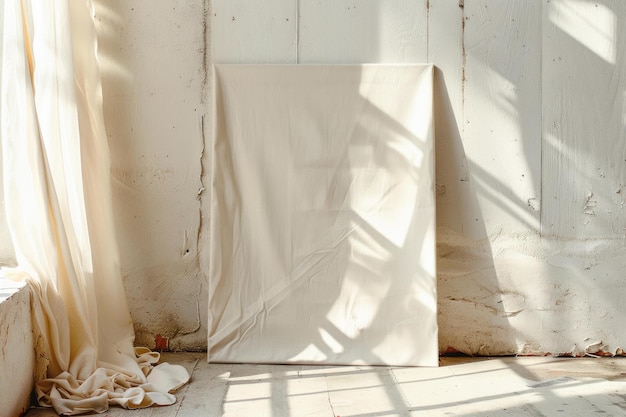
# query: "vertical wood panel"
502,111
488,133
366,31
256,32
584,102
456,205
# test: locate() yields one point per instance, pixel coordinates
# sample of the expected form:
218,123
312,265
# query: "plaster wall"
153,60
530,153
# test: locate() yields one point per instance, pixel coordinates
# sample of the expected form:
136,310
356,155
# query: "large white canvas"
323,215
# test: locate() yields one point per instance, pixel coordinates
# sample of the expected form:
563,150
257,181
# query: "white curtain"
59,211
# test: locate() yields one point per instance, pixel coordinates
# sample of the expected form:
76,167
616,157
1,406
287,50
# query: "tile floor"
479,387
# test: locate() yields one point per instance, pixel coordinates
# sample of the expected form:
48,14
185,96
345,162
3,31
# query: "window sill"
8,288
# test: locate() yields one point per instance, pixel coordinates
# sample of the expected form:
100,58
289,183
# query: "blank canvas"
323,215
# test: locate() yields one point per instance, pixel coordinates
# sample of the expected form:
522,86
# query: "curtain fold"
59,212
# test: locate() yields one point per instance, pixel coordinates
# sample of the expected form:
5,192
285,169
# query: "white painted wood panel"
502,111
258,32
457,206
365,31
456,201
488,122
584,103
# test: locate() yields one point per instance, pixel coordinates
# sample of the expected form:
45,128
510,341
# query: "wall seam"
297,31
427,30
541,133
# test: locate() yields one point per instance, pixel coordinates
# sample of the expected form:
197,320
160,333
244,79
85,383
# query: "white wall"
154,86
540,148
529,132
530,124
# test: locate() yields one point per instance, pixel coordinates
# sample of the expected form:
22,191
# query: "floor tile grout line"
330,402
183,394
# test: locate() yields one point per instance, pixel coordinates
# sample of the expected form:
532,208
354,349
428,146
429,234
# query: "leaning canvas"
323,215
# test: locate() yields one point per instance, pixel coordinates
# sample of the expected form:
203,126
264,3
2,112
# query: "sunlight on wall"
107,21
592,24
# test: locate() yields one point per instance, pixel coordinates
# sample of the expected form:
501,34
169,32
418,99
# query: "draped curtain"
59,211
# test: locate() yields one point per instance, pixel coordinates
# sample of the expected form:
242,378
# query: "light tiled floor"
478,387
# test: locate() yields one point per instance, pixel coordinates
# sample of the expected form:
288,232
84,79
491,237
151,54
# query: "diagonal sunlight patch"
592,24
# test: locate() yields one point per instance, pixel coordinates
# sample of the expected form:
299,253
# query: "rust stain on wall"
160,343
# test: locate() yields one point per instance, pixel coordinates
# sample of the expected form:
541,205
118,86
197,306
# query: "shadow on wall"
469,300
564,285
584,147
485,173
584,167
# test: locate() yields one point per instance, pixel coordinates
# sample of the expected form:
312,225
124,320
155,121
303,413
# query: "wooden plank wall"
502,110
488,112
489,66
265,32
584,148
530,99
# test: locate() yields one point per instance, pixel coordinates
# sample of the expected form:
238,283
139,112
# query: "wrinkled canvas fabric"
323,215
58,205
